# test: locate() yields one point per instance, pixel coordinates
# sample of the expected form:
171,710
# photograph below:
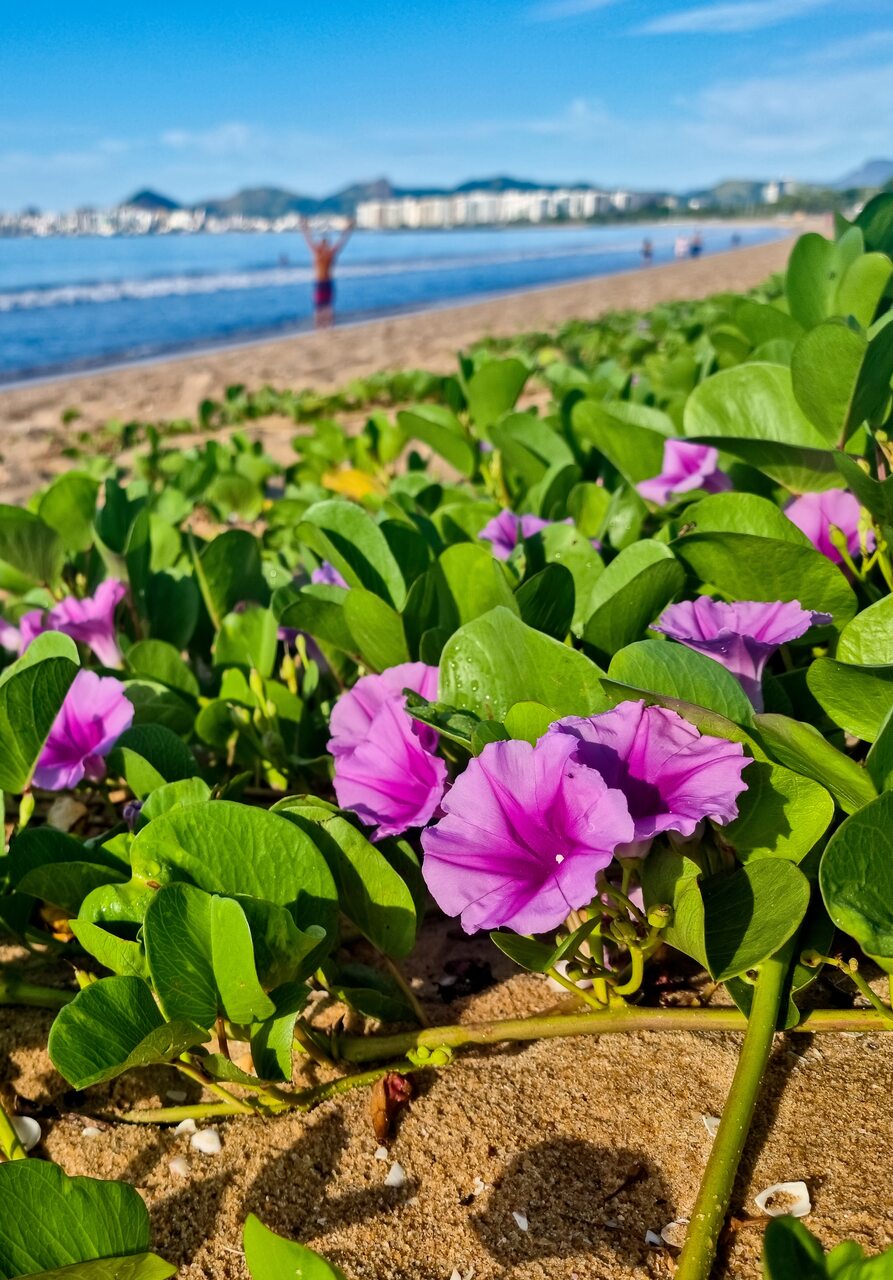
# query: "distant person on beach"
696,245
680,248
736,239
647,252
325,256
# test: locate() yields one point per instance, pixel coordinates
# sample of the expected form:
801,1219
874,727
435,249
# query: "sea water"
69,304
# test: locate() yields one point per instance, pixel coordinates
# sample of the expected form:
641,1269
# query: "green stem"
303,1100
572,987
708,1216
613,1020
14,991
412,999
200,1077
10,1142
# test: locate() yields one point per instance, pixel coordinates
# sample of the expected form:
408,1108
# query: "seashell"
784,1197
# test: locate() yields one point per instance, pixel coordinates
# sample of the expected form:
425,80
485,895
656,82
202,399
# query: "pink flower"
506,530
742,636
385,767
525,832
816,513
686,466
327,575
90,621
93,716
672,776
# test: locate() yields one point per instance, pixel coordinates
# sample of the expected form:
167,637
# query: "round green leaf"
856,878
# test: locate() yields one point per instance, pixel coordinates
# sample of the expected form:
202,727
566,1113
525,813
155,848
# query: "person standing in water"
324,257
647,253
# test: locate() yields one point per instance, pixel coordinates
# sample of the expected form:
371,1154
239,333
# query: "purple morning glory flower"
525,832
326,575
815,513
686,466
90,621
93,716
385,766
672,776
741,636
506,530
391,780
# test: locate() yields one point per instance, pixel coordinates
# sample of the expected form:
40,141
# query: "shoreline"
34,434
780,231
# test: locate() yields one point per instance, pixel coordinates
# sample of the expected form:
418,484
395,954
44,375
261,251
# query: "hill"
873,173
152,201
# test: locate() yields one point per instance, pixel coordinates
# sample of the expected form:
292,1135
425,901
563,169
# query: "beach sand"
31,435
594,1141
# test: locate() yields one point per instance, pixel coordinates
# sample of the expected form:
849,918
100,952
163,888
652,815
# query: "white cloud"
729,19
228,139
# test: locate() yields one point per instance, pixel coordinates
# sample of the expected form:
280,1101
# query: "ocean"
82,303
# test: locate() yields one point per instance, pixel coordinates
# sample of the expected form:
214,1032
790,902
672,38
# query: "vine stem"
709,1213
13,990
620,1018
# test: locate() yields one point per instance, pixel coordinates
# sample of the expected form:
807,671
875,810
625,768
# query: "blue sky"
194,100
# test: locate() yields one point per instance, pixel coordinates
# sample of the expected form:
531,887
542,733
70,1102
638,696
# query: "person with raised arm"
324,255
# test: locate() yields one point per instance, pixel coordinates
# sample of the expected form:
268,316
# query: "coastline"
172,386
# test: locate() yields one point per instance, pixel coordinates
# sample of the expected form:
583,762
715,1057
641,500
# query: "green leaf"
530,449
465,582
879,761
232,848
229,573
781,814
142,1266
495,661
815,271
247,639
272,1041
270,1257
376,629
634,450
630,594
493,389
791,1252
150,755
875,220
32,691
343,534
868,639
241,995
744,567
863,286
856,878
538,957
802,748
114,953
742,513
678,672
669,878
160,661
319,610
856,698
370,891
825,370
528,721
546,601
69,505
112,1026
51,1222
750,913
30,549
440,429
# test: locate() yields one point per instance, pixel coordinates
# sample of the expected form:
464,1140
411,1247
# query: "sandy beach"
30,414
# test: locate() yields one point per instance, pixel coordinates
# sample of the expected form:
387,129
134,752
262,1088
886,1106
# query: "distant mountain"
152,202
258,202
873,173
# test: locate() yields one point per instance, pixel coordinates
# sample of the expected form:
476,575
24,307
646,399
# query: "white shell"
674,1233
28,1131
90,1131
520,1220
381,1153
186,1126
652,1238
784,1197
396,1176
176,1095
207,1141
711,1124
179,1167
584,983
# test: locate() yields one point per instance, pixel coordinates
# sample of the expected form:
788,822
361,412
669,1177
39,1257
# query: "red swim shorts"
323,293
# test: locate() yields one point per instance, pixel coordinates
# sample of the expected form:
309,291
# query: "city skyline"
623,93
